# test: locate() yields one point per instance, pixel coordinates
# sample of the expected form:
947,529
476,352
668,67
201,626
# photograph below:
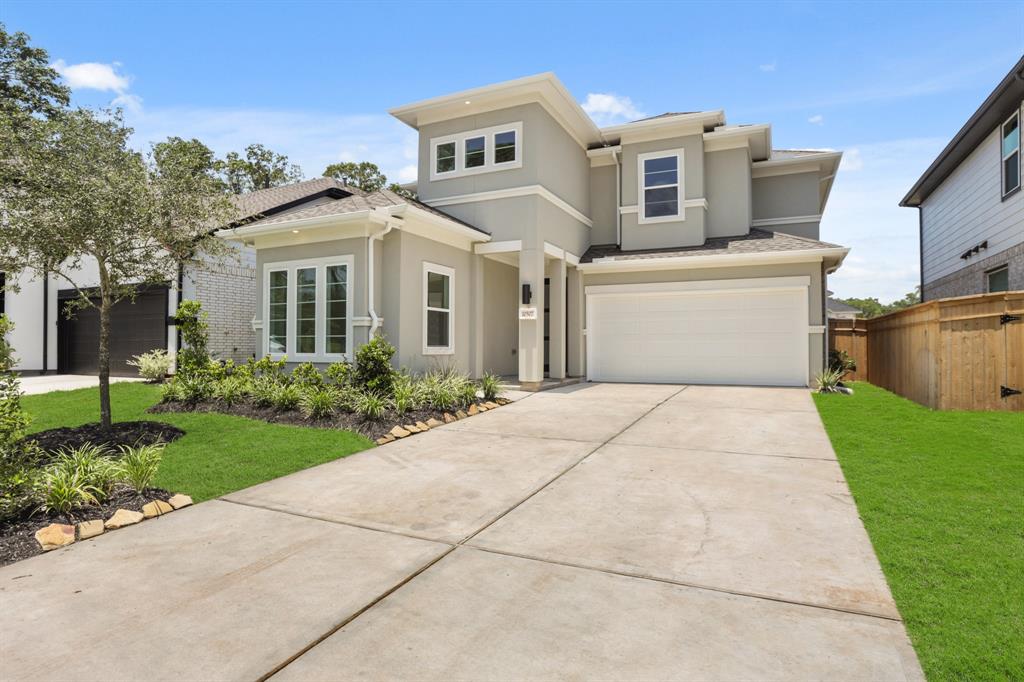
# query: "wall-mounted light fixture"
527,294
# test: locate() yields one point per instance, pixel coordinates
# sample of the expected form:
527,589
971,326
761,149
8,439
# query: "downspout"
920,248
618,199
374,320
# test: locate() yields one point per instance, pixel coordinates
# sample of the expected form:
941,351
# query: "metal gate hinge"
1006,391
1007,319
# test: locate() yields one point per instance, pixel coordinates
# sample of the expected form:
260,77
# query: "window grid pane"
446,157
278,318
305,310
1011,136
505,147
661,187
475,152
337,309
438,310
1011,172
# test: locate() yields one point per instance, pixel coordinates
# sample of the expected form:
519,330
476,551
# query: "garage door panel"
709,337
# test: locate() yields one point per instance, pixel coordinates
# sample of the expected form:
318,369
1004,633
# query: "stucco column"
575,364
556,328
531,332
476,322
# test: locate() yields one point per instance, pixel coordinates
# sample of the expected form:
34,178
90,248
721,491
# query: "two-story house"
672,249
970,207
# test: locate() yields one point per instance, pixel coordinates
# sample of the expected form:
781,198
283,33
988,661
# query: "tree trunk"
104,373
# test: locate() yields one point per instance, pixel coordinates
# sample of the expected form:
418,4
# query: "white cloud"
92,76
768,68
310,139
129,102
607,108
863,213
817,120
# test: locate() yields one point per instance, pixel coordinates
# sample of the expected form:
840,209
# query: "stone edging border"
406,430
58,535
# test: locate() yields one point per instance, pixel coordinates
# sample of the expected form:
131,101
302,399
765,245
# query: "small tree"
364,175
193,356
261,168
73,195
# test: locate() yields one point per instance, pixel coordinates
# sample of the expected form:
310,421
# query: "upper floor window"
477,151
661,186
1011,154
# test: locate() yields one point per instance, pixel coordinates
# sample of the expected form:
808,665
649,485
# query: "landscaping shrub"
307,374
194,388
18,473
153,366
373,366
490,385
193,357
840,361
264,367
286,396
318,402
405,393
263,388
371,406
467,392
231,390
138,465
64,489
92,465
340,373
828,381
170,392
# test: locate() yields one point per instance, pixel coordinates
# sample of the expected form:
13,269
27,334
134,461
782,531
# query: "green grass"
942,497
218,453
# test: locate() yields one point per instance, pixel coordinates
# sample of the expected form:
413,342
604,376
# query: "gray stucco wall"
786,196
728,193
501,322
602,205
551,157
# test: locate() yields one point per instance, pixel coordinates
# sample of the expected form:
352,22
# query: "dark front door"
135,327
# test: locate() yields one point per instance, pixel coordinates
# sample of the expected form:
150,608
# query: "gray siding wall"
967,209
551,157
602,205
728,193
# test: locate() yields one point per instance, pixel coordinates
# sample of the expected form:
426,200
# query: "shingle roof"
758,241
840,307
667,114
260,201
356,203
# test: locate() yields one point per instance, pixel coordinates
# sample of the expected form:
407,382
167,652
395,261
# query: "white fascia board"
741,136
511,192
240,233
450,225
704,286
717,115
509,246
603,156
789,220
723,260
795,164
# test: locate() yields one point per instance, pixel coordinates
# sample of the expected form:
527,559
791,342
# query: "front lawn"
942,497
218,453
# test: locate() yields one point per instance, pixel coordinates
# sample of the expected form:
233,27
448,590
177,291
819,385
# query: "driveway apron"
594,531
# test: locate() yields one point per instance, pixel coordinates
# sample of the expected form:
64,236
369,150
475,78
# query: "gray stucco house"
970,204
672,249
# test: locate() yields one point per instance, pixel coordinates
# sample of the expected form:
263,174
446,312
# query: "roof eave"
611,264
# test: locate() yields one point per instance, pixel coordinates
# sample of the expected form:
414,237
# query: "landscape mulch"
17,536
120,433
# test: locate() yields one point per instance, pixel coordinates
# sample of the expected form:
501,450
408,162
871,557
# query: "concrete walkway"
44,383
593,531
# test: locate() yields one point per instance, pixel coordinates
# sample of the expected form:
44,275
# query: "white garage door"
751,332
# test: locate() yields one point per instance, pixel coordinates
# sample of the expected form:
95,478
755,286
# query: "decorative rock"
384,440
122,518
434,423
55,535
399,432
449,418
156,508
490,405
461,415
482,407
411,428
178,501
422,426
90,529
473,409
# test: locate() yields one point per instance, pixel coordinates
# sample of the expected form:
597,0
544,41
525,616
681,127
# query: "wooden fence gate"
962,353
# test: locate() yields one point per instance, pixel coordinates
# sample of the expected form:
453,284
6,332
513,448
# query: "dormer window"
1011,154
477,151
661,186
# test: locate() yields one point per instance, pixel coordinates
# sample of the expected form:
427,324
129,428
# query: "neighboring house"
671,249
45,339
970,204
837,310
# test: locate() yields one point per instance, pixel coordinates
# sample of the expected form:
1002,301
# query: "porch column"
556,328
476,320
577,320
531,332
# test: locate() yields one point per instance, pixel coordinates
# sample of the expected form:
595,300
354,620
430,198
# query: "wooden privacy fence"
962,353
851,336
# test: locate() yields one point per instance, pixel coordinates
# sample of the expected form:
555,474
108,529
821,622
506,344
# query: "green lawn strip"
942,497
218,453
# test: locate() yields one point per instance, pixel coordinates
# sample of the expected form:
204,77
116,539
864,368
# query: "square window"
445,157
505,147
475,152
998,279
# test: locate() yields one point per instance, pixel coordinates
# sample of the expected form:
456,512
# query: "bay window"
306,309
660,177
438,310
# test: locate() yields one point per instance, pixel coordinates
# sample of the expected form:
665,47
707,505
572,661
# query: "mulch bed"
121,433
17,537
343,420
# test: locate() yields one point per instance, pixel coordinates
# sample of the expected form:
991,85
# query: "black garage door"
135,327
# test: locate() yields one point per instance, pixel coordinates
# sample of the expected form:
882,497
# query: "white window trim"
1003,192
460,151
993,271
450,274
642,205
321,265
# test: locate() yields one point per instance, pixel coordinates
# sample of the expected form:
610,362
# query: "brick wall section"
970,279
228,295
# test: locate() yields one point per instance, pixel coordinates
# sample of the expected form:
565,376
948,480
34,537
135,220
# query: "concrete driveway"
594,531
44,383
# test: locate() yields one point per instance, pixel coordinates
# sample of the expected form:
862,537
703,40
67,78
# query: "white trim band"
766,222
512,192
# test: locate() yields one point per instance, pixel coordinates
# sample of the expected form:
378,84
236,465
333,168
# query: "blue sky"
887,83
